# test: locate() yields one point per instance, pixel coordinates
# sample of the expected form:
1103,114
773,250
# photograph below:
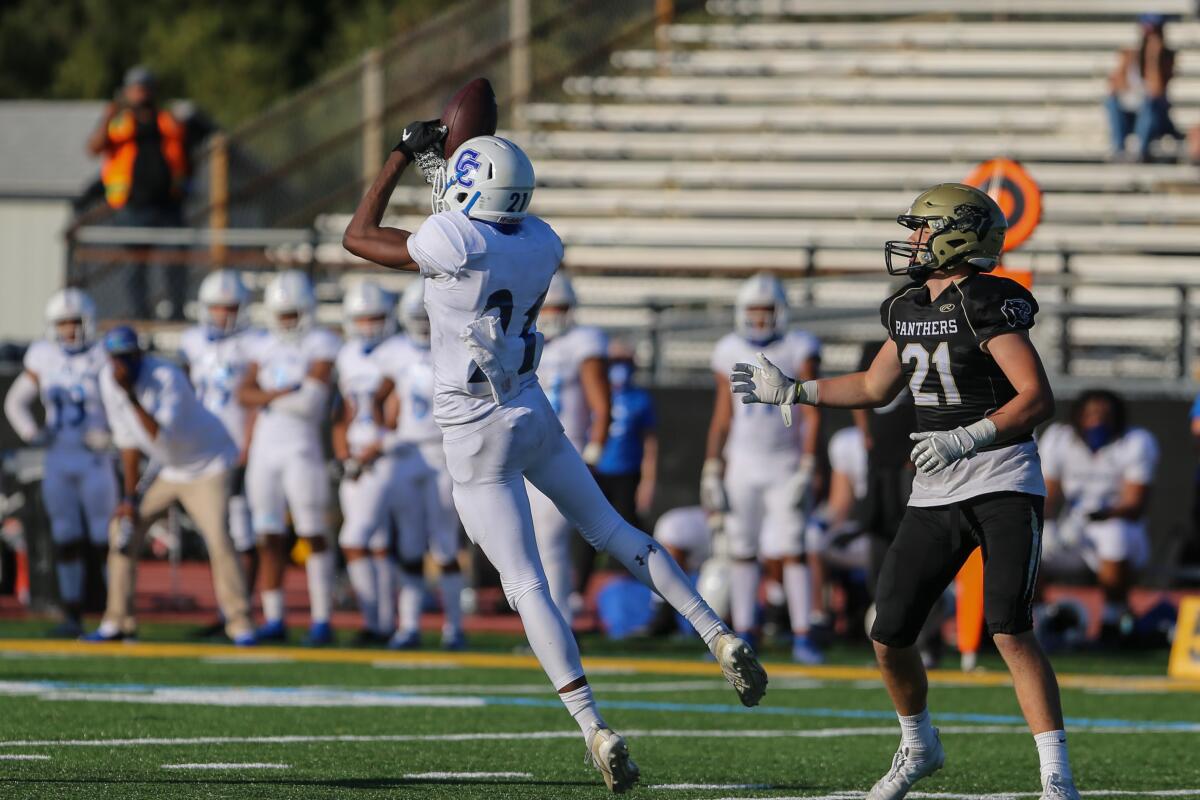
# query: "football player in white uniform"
759,469
574,375
1098,474
79,487
358,442
420,500
288,380
487,265
215,354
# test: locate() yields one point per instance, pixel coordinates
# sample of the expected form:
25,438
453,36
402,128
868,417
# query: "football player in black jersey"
958,338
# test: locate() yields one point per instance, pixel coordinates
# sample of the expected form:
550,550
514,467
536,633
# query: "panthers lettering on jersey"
953,381
472,268
69,384
215,368
559,375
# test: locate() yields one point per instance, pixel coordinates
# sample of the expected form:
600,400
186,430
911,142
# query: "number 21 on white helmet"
290,303
761,309
487,178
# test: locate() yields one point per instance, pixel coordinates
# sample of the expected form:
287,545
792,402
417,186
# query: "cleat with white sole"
608,753
909,765
1057,787
740,667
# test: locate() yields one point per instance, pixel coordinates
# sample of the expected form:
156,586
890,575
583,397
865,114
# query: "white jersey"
191,441
410,366
471,269
284,362
359,376
69,384
848,455
758,437
559,375
1092,480
216,366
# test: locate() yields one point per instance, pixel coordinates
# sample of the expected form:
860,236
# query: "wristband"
808,393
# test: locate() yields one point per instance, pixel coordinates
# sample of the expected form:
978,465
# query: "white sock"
319,567
70,581
743,594
452,586
582,706
366,589
272,604
1052,750
385,579
799,596
411,587
917,731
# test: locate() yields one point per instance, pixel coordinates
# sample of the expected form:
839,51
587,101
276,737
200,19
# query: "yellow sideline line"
654,666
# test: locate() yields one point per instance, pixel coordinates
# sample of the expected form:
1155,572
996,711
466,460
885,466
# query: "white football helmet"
487,178
366,313
556,316
290,292
68,305
413,314
223,289
761,291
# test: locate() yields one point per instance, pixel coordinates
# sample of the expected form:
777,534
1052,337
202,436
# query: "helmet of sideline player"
487,178
223,299
413,315
953,224
366,313
556,316
291,304
71,319
761,309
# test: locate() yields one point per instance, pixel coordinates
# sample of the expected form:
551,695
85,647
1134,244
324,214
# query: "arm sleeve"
994,306
438,247
1143,458
593,343
17,407
308,402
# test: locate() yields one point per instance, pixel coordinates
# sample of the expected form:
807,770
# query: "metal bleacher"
787,135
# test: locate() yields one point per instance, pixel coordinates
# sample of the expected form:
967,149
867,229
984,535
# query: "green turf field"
149,724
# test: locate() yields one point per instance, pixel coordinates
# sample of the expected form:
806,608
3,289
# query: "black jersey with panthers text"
953,381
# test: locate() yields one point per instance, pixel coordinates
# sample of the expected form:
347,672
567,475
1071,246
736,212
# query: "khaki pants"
205,500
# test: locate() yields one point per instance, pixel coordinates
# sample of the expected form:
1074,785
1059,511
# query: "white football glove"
592,453
766,383
936,450
712,486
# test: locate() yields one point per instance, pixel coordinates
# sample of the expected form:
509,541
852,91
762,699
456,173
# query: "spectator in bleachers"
1098,471
1137,102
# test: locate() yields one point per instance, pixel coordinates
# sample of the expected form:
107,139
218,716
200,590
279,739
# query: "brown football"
470,112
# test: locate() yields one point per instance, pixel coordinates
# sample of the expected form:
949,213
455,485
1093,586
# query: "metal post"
520,61
372,114
1064,319
218,215
657,362
810,272
664,15
1186,347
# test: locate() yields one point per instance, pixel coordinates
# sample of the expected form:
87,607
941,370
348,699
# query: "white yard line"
708,786
22,757
252,765
857,795
442,776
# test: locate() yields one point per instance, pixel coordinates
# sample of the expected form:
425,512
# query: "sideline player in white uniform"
288,381
487,265
760,469
420,500
1098,474
79,487
358,442
216,353
833,534
574,375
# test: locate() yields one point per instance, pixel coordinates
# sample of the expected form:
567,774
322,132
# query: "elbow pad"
308,402
17,407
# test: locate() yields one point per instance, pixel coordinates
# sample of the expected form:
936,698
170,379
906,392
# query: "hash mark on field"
252,765
22,757
699,786
451,775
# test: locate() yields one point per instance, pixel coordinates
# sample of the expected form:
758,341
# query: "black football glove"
419,137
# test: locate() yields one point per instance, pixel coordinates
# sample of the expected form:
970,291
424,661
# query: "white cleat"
740,667
909,765
1059,788
608,753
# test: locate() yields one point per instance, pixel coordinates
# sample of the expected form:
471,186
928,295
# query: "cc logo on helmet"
465,167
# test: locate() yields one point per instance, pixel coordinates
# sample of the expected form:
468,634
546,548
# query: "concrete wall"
32,262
